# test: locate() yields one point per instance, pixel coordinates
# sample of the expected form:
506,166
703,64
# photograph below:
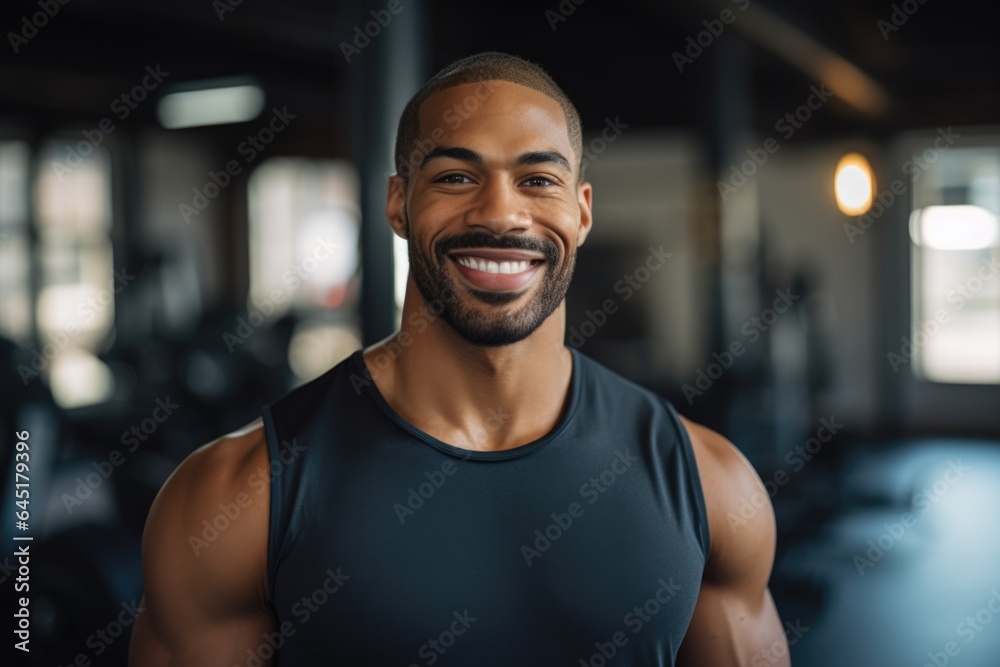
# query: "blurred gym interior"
192,222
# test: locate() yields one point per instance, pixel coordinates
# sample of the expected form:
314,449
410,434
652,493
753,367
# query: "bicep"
165,637
728,629
735,621
201,602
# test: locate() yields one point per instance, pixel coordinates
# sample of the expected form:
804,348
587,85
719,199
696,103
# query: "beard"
485,321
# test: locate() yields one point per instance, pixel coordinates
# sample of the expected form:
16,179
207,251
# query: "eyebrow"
469,155
538,157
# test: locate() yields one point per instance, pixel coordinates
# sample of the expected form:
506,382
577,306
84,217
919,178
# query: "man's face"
494,213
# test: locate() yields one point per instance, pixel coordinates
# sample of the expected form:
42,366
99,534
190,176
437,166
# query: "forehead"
501,115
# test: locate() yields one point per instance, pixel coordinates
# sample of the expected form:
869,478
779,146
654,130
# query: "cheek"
562,215
429,221
566,224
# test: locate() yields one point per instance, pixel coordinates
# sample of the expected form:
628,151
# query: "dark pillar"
385,75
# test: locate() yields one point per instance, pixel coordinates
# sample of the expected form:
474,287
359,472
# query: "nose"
497,207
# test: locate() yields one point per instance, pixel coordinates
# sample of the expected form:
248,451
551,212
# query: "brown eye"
536,181
450,178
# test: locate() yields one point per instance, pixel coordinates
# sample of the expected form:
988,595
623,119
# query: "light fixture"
77,378
961,227
210,102
854,184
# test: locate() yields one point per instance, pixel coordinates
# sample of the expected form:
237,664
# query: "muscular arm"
205,600
735,621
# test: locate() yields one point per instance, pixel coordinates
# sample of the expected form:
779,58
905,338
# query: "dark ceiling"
611,57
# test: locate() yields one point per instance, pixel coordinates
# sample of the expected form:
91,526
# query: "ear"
395,205
584,195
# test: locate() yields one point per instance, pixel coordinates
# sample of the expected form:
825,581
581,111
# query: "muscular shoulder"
741,518
205,540
226,465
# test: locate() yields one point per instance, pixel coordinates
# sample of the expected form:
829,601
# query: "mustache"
506,242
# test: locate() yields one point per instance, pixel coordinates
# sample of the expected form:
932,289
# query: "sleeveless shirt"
387,546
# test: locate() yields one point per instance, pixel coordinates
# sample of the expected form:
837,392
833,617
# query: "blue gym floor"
926,589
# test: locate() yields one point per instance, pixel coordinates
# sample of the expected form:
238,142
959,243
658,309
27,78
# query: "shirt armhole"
274,503
694,476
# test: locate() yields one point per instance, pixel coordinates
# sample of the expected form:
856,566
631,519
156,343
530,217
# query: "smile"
497,274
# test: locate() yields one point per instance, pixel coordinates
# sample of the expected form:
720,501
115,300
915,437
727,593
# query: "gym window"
955,255
304,218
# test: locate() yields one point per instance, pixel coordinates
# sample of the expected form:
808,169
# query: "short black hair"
487,66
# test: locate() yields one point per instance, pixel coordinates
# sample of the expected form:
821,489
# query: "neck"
470,396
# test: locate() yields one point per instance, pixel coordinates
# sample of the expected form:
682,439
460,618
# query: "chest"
471,566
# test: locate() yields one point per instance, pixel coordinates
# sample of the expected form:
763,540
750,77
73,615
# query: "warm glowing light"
954,227
854,184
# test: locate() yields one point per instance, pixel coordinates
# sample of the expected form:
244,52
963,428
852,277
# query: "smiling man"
468,491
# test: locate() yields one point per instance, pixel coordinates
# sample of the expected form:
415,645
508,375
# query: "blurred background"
192,222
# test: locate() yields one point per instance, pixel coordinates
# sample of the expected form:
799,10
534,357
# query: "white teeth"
490,266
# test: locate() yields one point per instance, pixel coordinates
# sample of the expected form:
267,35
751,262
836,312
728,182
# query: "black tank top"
389,547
